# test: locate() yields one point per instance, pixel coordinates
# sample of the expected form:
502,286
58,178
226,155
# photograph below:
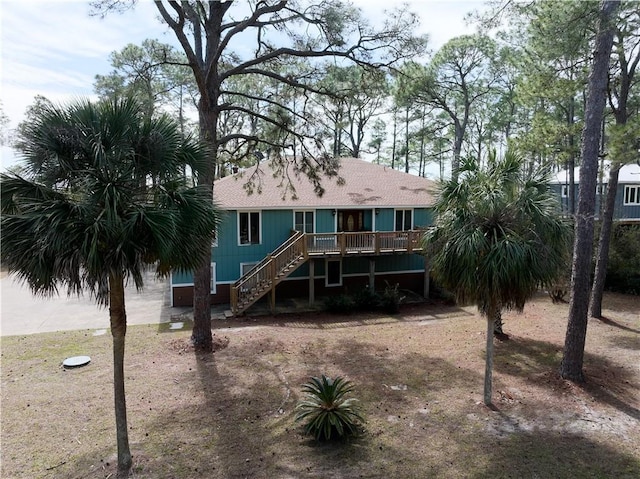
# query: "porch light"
333,212
377,211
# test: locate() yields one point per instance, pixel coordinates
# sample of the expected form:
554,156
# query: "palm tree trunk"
602,259
497,324
488,369
118,318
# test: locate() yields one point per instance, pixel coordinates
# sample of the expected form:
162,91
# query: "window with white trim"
246,267
249,227
565,191
404,220
303,221
333,270
213,278
632,195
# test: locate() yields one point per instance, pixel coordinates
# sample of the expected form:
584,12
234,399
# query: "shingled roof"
365,185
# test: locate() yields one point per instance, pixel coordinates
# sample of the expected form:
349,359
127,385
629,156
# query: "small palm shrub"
366,299
340,304
326,409
391,298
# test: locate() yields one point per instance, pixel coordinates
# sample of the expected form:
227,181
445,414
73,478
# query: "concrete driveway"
24,313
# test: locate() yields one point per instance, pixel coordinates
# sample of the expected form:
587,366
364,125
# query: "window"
565,191
403,220
632,195
333,275
303,221
249,227
213,278
246,267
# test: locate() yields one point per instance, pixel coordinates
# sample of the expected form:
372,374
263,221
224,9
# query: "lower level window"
334,273
246,267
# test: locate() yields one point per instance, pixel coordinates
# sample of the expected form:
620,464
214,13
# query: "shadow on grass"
626,342
250,415
549,454
615,324
538,361
240,423
621,303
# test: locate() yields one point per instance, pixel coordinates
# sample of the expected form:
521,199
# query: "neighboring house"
627,207
359,233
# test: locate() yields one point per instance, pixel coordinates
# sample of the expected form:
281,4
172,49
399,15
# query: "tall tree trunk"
406,140
201,336
395,139
118,319
457,150
573,357
602,258
572,161
488,369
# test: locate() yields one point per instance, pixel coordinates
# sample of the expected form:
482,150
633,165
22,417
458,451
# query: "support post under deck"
312,282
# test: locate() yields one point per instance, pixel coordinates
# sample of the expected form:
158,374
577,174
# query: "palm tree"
496,238
103,198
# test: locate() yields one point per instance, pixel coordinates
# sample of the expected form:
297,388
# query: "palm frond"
497,236
104,194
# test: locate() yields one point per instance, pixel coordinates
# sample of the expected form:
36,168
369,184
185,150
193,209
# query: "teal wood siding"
325,221
422,217
181,277
385,220
359,265
275,226
367,221
404,262
621,211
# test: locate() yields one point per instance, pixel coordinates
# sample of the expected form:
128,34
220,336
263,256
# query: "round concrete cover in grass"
76,361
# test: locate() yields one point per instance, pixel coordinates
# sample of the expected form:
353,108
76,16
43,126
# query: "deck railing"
378,242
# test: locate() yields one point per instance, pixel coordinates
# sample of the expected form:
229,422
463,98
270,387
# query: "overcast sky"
55,49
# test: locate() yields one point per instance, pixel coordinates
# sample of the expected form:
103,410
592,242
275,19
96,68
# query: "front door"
350,220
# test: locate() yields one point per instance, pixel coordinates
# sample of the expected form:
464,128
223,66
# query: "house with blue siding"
627,208
363,231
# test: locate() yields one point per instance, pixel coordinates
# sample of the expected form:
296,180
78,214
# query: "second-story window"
631,195
403,220
303,221
249,227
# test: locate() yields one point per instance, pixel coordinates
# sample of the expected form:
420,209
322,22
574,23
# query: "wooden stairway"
266,275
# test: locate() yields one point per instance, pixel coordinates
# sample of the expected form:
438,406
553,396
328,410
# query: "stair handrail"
267,270
292,239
